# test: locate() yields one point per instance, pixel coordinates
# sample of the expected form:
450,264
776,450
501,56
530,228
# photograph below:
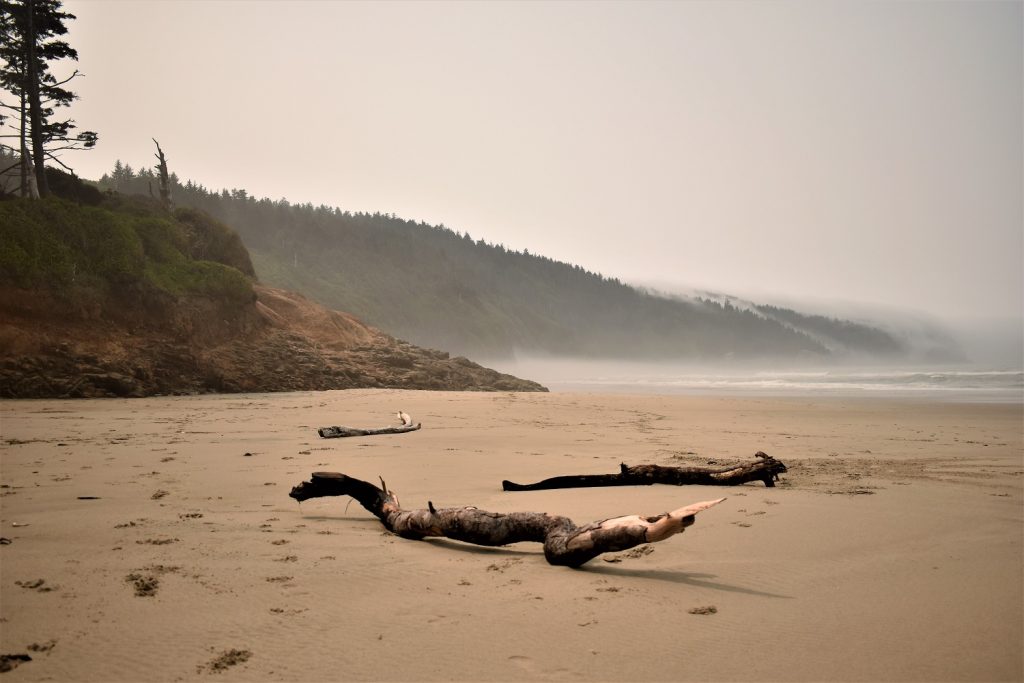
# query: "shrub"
57,245
211,240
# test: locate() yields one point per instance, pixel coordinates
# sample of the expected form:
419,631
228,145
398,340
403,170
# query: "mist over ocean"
930,383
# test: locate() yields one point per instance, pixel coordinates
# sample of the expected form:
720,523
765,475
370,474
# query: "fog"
990,342
855,151
974,341
957,383
964,358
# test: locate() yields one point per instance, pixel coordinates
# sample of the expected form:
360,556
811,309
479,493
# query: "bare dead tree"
565,543
161,169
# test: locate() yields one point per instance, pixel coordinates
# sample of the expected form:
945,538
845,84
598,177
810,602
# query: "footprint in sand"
42,647
281,579
145,585
524,663
225,660
709,609
505,564
39,585
632,554
528,665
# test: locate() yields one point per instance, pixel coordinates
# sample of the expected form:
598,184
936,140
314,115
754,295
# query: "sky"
860,152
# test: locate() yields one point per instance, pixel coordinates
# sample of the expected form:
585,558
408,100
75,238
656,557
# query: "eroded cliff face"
279,342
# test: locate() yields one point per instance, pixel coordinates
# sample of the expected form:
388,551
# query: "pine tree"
29,41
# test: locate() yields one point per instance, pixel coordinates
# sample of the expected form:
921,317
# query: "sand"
153,540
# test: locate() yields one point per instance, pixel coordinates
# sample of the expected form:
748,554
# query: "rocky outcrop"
282,342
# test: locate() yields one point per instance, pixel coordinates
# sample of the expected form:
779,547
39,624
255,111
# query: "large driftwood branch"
565,544
337,432
765,468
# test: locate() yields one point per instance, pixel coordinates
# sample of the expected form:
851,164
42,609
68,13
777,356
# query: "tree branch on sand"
338,432
565,543
765,468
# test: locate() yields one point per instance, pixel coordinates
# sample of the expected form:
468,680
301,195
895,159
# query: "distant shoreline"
910,395
915,383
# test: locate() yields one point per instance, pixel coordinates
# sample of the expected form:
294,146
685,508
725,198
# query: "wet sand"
154,540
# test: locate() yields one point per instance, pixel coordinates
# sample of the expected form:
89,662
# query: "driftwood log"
337,432
565,544
764,468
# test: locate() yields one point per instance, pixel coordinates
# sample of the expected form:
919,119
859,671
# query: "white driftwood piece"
338,432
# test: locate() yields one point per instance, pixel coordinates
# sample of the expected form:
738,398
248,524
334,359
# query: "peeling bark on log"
338,432
565,544
765,468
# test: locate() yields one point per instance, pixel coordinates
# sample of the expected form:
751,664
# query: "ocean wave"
995,384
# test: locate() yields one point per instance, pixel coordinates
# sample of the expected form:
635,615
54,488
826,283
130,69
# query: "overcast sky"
860,151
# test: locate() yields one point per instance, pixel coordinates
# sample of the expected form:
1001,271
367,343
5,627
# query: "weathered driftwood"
765,468
337,432
565,543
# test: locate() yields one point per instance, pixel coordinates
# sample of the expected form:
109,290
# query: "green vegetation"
124,247
53,242
442,289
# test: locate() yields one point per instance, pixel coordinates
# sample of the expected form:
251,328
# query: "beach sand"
154,540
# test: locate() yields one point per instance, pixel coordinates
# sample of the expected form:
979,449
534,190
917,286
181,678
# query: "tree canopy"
30,41
444,289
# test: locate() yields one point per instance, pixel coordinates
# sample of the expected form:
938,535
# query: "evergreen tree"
30,33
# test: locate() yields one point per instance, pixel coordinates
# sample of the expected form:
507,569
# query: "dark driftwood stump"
337,432
564,543
765,468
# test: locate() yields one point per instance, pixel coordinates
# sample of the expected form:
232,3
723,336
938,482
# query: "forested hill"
441,289
108,295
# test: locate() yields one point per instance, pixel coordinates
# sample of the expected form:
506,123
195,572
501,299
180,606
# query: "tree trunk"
338,432
35,106
565,544
25,164
765,468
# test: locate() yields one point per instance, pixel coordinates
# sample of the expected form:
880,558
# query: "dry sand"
892,550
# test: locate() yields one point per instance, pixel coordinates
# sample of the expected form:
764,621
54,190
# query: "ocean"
972,385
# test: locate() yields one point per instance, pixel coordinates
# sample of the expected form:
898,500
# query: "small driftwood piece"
337,432
565,544
765,468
